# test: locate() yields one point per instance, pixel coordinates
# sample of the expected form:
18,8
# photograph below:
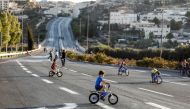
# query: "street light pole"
22,31
109,29
161,43
1,42
87,32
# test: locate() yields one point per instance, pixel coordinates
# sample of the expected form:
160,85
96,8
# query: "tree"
170,44
0,34
143,44
187,14
6,28
156,21
151,35
11,30
175,25
30,38
169,36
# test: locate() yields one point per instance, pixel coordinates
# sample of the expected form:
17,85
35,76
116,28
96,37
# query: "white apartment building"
4,4
168,15
157,31
122,17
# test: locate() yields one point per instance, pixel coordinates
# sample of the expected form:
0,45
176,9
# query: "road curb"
130,67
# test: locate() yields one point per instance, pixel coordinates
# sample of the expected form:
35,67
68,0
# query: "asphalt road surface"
25,83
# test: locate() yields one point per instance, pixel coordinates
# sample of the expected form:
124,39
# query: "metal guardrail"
16,54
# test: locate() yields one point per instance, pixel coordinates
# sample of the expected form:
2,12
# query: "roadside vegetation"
11,31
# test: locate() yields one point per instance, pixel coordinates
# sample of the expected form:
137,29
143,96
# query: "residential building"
157,31
122,17
4,4
167,14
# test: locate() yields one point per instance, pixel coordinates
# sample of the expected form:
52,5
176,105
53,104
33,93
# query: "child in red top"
54,65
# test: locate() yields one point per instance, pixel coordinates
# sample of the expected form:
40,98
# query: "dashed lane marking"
157,105
24,68
47,81
69,106
86,75
104,106
28,71
72,70
166,74
35,75
140,71
68,90
160,93
110,81
177,83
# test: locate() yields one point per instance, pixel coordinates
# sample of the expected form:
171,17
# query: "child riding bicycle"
101,84
54,66
154,72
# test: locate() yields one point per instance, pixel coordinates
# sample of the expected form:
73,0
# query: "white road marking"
24,68
110,81
66,68
140,71
47,81
156,92
178,83
68,90
86,75
35,75
104,106
69,106
39,108
185,77
157,105
166,74
72,70
28,71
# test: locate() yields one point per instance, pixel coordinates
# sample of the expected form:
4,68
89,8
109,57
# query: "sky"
75,1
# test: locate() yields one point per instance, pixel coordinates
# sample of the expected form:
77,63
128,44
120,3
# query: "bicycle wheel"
188,73
113,99
159,80
127,73
94,98
51,73
59,74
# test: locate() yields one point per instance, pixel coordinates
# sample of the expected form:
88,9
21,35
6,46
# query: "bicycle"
123,70
58,73
95,96
157,79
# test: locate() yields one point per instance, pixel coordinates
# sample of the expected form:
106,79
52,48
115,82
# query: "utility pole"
109,28
22,30
80,28
1,42
87,32
161,43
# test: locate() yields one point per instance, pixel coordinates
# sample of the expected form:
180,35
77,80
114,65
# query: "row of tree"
10,29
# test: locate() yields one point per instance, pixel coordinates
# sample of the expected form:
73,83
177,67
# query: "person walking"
63,58
50,55
56,54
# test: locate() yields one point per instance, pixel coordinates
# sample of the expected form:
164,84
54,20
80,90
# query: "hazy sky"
76,1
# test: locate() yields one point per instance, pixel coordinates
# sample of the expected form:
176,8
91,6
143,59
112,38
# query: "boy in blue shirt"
100,84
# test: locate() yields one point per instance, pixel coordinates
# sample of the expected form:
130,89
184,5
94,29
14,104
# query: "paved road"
25,84
60,36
